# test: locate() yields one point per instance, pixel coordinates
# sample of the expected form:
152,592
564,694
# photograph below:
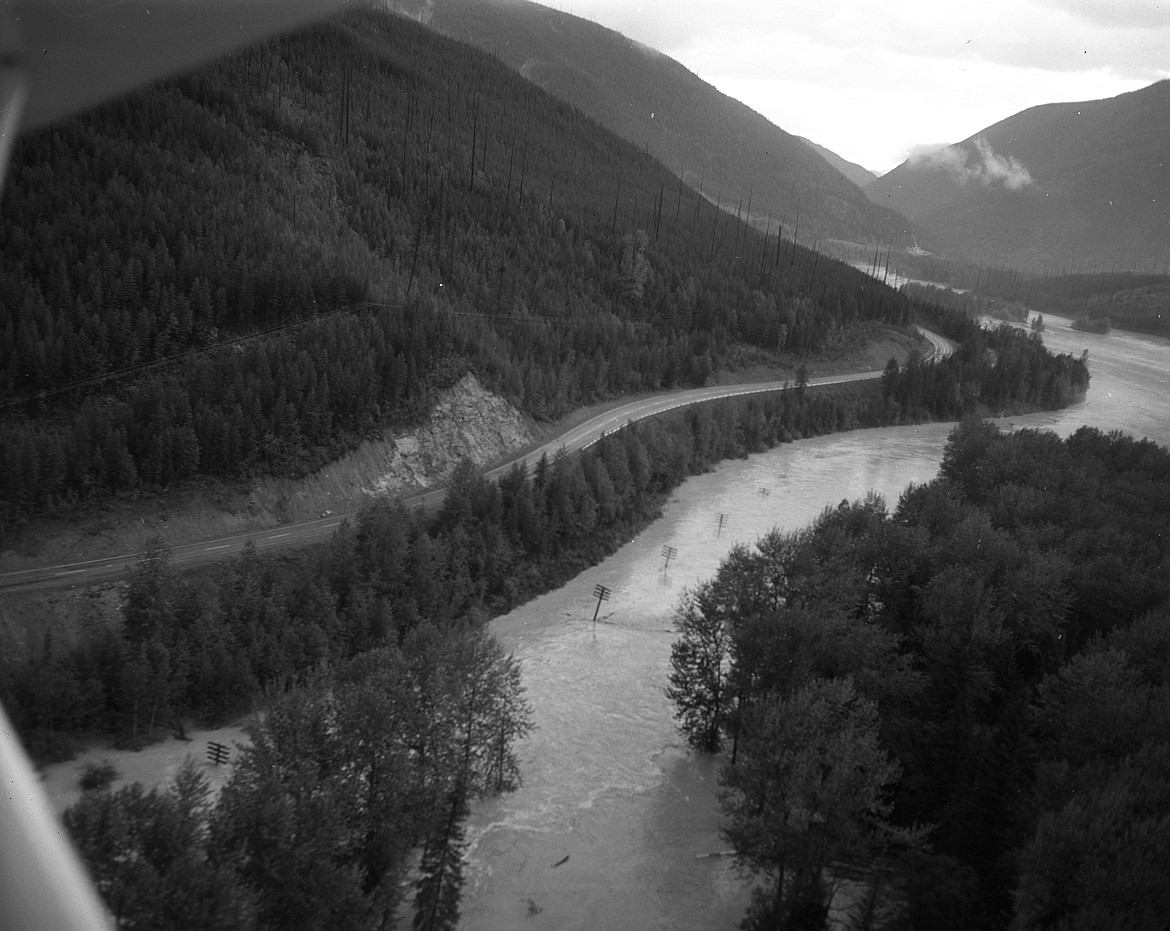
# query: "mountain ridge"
1051,187
857,174
713,142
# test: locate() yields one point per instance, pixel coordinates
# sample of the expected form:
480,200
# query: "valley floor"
469,421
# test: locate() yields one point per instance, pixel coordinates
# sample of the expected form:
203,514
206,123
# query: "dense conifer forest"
250,267
962,704
1139,302
1133,301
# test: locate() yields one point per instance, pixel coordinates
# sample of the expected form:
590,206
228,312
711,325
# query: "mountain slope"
713,141
252,267
851,171
1055,186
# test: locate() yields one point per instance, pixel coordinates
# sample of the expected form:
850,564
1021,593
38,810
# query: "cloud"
867,80
923,152
1129,38
1139,14
982,166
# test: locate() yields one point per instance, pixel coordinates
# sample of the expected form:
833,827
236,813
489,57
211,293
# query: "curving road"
577,438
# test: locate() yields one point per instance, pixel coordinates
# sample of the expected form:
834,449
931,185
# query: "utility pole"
669,552
722,521
601,593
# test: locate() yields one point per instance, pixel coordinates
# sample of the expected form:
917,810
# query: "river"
608,783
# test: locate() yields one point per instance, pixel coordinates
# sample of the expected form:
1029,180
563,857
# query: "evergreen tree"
807,794
436,903
699,661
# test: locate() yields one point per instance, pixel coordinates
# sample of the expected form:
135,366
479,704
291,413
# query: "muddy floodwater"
616,825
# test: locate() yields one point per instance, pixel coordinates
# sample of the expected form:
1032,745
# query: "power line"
188,355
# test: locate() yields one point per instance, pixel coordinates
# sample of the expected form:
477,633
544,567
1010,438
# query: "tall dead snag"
764,247
511,161
795,234
487,122
523,165
747,218
715,220
440,216
474,139
616,198
735,236
343,107
699,199
658,213
414,257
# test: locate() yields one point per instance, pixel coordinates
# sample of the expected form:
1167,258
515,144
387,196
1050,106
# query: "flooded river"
616,825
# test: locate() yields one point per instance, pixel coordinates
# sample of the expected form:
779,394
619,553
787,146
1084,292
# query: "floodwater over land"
616,825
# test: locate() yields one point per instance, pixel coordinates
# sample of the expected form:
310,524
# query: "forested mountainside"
733,153
1124,299
1054,188
858,174
250,267
960,706
1127,300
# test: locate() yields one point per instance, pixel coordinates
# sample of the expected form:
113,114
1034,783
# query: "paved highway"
580,437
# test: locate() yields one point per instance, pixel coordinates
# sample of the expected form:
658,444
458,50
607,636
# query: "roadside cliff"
466,421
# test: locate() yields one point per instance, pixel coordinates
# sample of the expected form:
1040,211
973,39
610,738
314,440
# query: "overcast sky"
875,80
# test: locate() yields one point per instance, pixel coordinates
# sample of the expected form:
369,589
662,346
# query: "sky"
879,80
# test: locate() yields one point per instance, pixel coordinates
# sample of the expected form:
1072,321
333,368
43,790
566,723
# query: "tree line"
342,782
957,709
1097,300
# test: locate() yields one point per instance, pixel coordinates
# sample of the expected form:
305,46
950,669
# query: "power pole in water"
601,593
722,521
669,552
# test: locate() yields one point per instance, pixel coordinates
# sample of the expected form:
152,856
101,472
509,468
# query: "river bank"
154,765
608,781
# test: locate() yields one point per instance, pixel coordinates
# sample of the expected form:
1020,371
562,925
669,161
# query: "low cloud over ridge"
983,165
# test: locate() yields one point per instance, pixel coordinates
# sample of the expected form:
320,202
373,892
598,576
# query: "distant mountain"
1057,187
733,153
858,174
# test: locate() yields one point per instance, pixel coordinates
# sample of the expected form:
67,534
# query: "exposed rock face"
468,422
